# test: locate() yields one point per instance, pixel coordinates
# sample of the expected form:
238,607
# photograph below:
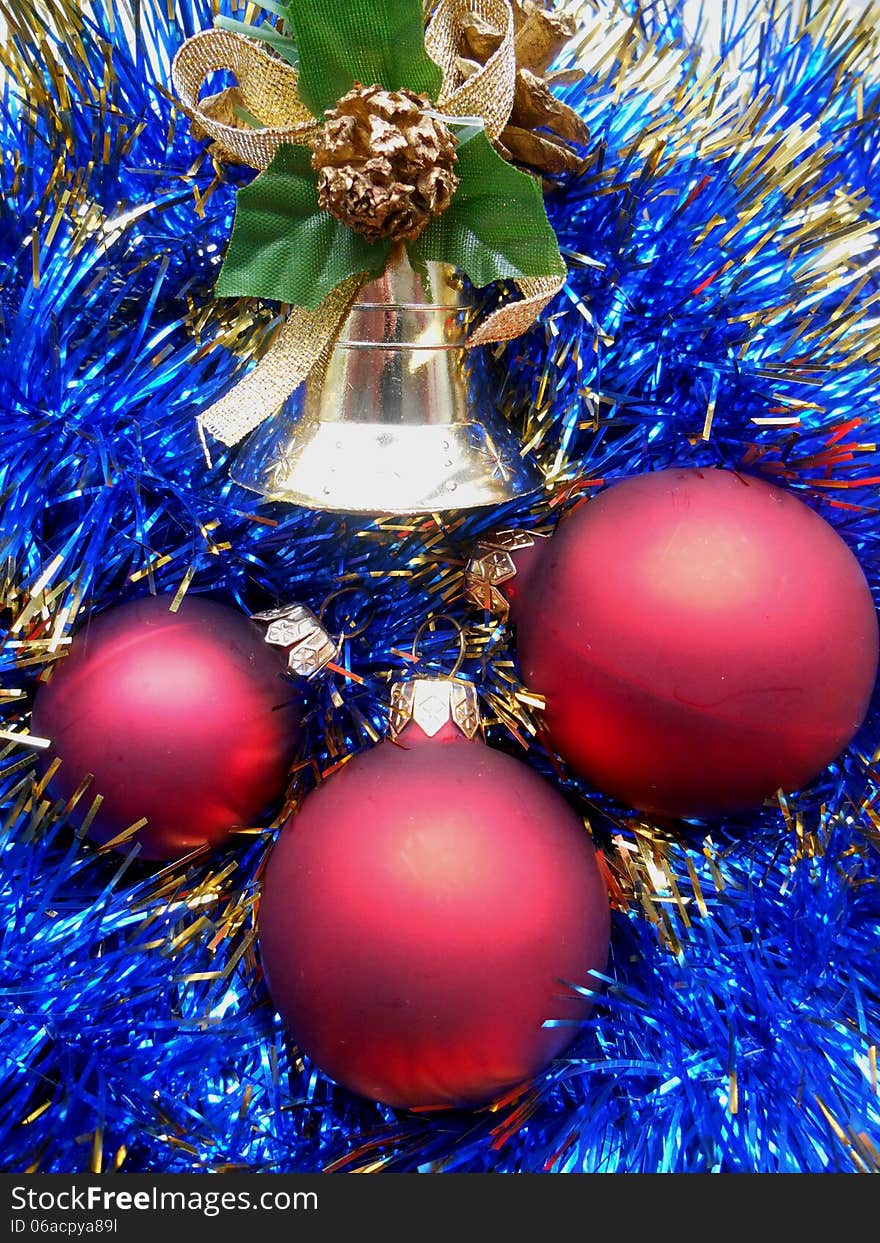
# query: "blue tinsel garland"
720,309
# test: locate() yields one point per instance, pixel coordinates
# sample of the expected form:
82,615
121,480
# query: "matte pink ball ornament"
430,915
183,718
703,639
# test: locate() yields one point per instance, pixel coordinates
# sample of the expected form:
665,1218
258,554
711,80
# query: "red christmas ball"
183,718
703,639
424,915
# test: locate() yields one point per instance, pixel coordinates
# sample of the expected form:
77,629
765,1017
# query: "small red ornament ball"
702,638
424,915
183,718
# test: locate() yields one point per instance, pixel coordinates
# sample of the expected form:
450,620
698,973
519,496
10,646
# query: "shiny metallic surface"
432,703
399,419
492,565
309,646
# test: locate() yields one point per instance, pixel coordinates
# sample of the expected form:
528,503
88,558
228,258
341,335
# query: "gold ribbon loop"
488,92
304,339
268,89
512,319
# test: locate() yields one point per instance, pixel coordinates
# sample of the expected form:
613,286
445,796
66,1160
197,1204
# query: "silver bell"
399,418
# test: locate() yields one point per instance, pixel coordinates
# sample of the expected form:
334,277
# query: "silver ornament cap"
431,703
310,647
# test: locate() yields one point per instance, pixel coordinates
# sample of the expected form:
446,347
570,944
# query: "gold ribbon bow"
268,88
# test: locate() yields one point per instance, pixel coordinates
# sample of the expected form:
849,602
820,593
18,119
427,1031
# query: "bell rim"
516,475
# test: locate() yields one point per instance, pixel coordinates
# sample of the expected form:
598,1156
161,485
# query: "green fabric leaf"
283,45
368,41
496,227
284,246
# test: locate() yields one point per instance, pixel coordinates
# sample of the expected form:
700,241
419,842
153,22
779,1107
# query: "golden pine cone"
385,167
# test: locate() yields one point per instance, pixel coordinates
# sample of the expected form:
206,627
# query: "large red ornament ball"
183,718
422,917
702,638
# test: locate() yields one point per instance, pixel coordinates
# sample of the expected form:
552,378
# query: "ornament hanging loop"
432,701
431,623
358,629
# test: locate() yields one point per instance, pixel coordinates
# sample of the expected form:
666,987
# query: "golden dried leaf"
480,38
565,77
539,151
467,68
541,38
535,107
